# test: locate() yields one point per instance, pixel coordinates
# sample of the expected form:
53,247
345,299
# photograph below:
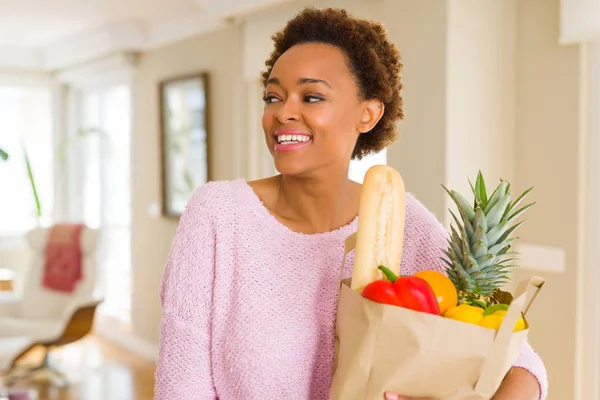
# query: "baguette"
380,232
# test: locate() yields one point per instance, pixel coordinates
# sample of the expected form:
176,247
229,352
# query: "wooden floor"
97,370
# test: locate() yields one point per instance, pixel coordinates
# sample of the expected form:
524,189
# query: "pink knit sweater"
249,305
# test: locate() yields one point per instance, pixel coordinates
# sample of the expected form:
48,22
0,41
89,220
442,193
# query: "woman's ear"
371,113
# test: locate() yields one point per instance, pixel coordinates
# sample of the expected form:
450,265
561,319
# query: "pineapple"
478,259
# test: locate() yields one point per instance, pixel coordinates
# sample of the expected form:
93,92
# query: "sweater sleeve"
184,362
424,239
428,239
531,361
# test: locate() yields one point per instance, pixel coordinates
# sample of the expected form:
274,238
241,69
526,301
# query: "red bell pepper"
382,291
404,291
417,295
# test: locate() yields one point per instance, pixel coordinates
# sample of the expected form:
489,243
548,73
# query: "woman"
250,287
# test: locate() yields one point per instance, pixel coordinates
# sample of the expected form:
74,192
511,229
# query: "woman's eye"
270,99
313,99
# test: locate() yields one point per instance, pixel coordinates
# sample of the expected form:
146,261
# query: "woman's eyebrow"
304,81
301,81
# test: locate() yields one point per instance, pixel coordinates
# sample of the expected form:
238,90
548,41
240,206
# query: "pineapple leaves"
479,236
456,249
480,220
519,212
480,193
486,260
518,200
509,231
501,191
479,250
497,211
467,227
478,258
501,232
506,260
462,204
474,194
448,265
501,248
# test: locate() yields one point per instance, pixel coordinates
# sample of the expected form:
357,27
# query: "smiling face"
313,113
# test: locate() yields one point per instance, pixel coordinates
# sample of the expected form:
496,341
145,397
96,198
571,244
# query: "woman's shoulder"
425,238
417,209
212,191
219,198
420,221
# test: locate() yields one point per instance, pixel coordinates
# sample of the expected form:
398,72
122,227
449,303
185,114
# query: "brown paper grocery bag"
383,348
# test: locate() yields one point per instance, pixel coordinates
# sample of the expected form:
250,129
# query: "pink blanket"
62,269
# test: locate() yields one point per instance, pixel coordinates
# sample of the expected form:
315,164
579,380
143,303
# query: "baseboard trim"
124,337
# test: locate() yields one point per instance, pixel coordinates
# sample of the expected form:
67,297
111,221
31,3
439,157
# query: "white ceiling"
41,22
52,34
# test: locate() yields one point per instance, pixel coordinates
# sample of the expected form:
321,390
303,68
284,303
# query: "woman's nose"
287,111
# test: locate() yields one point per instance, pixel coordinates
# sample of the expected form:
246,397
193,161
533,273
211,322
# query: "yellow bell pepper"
494,321
465,313
474,315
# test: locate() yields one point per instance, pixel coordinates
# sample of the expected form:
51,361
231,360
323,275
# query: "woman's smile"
287,140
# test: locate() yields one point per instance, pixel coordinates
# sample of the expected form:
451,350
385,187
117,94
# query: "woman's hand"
394,396
519,384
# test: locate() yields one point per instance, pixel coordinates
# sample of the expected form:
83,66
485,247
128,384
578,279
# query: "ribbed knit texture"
249,305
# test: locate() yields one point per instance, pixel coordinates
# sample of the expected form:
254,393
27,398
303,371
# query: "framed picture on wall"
184,134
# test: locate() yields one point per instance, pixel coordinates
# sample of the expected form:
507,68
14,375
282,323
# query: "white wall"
547,156
419,29
481,110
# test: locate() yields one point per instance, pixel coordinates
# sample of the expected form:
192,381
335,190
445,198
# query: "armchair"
45,317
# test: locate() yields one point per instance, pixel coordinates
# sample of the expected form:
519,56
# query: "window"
25,123
100,187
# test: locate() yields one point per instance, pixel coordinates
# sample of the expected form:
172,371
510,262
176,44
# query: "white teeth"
287,139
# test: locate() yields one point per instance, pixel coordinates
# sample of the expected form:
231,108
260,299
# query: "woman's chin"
289,170
307,167
292,168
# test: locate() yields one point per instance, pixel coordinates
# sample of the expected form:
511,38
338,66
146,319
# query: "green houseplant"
63,150
4,157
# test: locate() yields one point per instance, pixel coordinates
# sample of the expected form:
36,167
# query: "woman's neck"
318,204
